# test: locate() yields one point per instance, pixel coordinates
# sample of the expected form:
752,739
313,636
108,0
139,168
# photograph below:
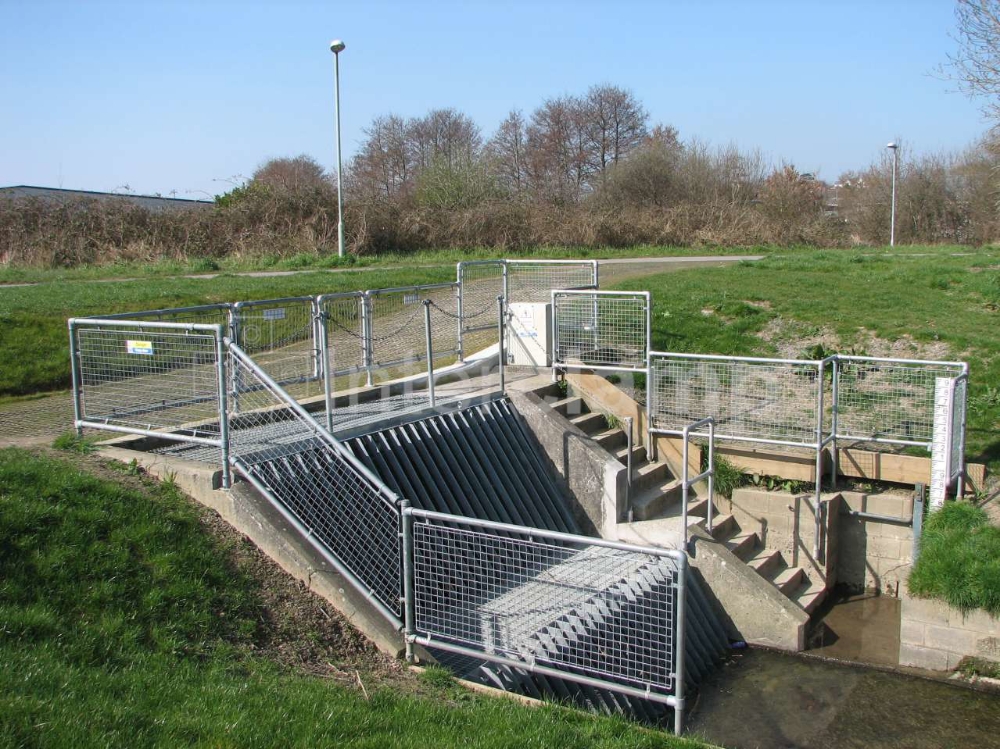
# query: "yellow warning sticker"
143,348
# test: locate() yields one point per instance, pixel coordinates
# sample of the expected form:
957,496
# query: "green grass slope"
124,623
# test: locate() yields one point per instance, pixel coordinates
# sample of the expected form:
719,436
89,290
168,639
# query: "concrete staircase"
656,508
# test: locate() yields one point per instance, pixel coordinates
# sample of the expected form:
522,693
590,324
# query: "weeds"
73,442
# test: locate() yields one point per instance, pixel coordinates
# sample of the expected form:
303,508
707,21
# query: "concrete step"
724,527
648,474
589,423
572,406
666,533
743,545
611,439
697,506
766,562
638,455
656,501
788,579
809,595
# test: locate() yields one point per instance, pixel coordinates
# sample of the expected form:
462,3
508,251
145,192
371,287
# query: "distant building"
153,203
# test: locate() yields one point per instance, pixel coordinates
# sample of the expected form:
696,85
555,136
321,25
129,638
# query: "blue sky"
185,96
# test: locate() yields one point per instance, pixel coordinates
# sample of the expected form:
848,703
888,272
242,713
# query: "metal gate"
603,330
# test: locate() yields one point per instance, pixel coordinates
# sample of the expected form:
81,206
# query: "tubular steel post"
502,346
711,473
328,368
220,354
234,335
650,443
460,308
685,485
680,616
818,508
919,495
74,362
834,426
366,337
430,351
628,467
318,350
409,608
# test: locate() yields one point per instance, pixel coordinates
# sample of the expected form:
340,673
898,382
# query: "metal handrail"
687,482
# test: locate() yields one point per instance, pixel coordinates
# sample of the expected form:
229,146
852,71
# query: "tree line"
581,170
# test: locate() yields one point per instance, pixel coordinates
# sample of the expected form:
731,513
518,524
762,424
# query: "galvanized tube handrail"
388,494
166,311
686,481
430,352
223,385
501,343
139,324
628,467
543,533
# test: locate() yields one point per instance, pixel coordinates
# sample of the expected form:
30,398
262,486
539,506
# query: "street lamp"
337,46
894,147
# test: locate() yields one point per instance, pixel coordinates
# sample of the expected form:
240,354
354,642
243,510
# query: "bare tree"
506,151
615,125
383,166
445,135
976,65
556,150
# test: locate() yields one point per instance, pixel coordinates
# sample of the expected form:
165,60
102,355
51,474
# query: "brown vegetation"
585,170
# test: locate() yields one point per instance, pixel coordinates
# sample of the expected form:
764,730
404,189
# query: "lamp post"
337,46
894,147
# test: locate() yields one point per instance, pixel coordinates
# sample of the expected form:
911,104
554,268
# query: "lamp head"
893,145
337,46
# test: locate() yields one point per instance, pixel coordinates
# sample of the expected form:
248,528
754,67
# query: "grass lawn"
959,559
935,305
125,622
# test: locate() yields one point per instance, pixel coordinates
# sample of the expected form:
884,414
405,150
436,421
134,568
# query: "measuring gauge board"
941,441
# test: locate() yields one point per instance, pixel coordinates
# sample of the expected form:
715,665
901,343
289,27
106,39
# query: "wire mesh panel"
479,284
534,280
397,327
142,376
888,400
286,454
769,400
600,329
606,613
280,335
346,343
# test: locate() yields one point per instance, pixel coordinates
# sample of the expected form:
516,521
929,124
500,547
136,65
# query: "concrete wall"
875,554
252,515
750,608
786,522
595,479
935,636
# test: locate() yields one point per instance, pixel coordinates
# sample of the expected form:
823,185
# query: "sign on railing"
600,329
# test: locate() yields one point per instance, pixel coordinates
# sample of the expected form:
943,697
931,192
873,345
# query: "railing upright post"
409,609
430,352
818,508
367,337
685,485
234,335
220,355
628,467
834,420
680,616
919,496
74,361
328,366
460,306
650,441
502,347
711,472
